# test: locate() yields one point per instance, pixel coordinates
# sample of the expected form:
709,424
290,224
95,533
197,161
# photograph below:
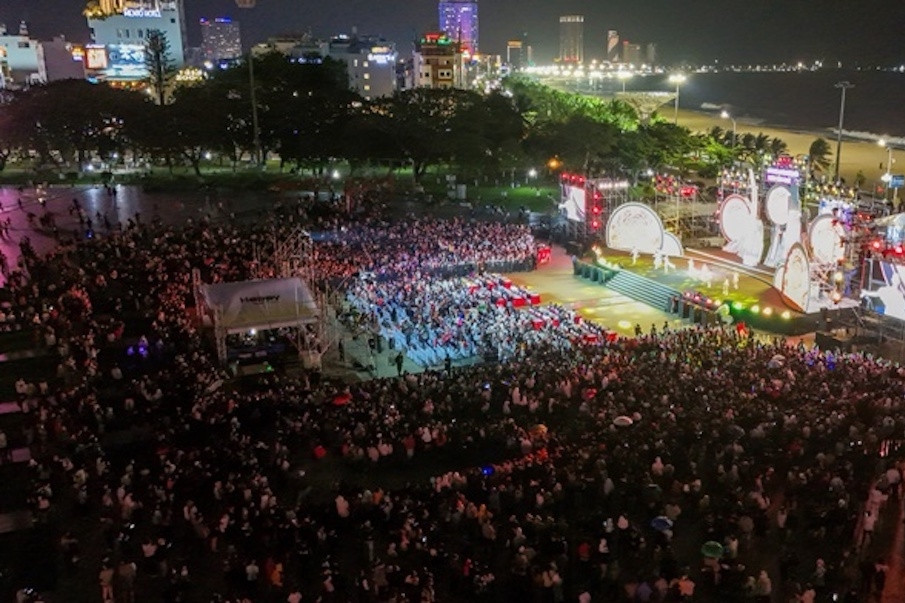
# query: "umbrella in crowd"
712,549
661,523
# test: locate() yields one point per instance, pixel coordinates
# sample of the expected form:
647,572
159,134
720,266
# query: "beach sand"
856,155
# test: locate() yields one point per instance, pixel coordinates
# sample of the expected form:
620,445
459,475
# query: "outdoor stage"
748,290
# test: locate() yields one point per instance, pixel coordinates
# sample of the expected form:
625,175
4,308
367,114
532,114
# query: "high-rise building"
571,39
651,54
119,39
612,46
220,39
438,62
515,54
631,53
459,20
23,58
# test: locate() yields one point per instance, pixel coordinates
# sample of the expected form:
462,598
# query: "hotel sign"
142,13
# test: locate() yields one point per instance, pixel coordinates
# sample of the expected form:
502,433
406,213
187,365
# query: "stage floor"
557,283
755,286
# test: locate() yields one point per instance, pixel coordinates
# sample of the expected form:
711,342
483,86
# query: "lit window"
364,64
367,87
354,62
367,76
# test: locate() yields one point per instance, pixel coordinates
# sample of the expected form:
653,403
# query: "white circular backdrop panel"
777,204
634,226
796,277
735,217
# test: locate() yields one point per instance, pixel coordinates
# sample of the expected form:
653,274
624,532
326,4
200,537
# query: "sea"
805,101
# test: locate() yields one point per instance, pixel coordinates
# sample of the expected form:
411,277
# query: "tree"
820,154
159,64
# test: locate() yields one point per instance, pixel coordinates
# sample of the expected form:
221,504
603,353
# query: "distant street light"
624,76
532,173
678,79
725,115
887,177
843,86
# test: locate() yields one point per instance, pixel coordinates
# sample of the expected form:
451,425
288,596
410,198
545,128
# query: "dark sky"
854,31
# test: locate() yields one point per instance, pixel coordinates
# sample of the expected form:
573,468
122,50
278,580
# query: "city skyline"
697,31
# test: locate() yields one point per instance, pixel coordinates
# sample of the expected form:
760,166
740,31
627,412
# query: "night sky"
863,32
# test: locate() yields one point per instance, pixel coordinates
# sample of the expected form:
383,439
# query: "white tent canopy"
261,304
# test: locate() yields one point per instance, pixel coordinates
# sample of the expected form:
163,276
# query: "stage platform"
748,290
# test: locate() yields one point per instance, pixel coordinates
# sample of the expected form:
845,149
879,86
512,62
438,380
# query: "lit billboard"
96,56
126,62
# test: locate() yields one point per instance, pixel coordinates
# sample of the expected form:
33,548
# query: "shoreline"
857,154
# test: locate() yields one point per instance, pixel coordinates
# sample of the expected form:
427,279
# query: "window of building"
354,62
367,76
119,33
24,45
367,87
365,64
141,33
127,33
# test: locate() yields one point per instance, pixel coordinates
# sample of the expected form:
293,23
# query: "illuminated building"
631,54
612,46
119,39
515,54
438,63
370,64
220,39
23,56
459,19
571,39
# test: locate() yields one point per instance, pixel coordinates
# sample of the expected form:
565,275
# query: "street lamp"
678,79
624,76
843,86
887,177
726,115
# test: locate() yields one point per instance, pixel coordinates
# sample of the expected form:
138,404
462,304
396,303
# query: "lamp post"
726,115
624,76
887,177
678,79
843,86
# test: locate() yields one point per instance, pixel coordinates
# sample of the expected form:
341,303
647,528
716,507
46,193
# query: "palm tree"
820,153
778,146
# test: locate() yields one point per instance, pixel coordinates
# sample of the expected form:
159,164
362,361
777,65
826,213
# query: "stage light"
768,311
755,309
786,315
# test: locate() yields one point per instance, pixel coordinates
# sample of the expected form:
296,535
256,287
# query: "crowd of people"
573,468
458,317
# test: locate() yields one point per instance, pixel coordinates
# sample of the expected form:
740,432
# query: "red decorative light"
596,209
876,245
899,250
595,224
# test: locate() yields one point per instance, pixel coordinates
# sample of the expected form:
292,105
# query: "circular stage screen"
735,217
777,205
825,235
634,226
